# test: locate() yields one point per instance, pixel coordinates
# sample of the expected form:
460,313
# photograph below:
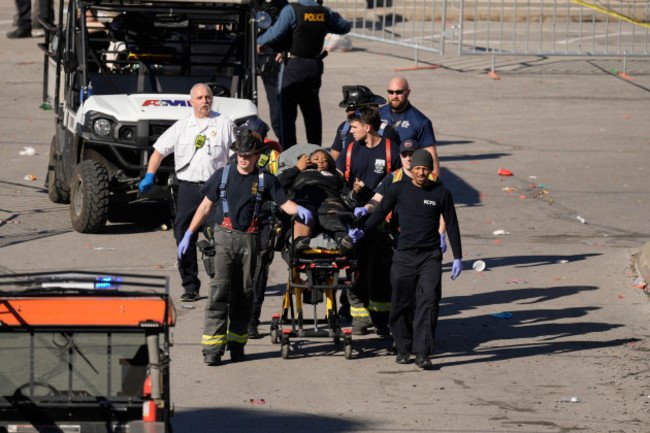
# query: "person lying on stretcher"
315,184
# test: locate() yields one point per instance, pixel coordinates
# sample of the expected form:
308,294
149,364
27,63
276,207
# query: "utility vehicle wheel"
57,190
89,197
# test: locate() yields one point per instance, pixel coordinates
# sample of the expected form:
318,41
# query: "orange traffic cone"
504,172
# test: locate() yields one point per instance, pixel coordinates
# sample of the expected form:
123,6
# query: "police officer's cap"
356,96
255,124
422,158
247,143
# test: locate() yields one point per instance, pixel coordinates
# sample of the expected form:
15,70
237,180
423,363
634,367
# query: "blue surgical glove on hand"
355,234
443,244
455,269
146,183
305,214
360,211
184,243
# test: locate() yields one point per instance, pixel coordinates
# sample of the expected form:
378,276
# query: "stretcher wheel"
275,338
285,351
347,349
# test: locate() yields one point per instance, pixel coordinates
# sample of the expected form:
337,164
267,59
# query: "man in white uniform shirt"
200,143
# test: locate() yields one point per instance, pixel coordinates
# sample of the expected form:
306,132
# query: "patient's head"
321,159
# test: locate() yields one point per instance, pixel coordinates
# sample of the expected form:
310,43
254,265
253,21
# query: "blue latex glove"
360,211
305,214
443,244
455,269
356,234
146,183
184,243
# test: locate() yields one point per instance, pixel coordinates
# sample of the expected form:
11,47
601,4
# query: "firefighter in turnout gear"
238,193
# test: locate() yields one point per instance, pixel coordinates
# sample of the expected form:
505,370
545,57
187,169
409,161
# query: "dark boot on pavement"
19,33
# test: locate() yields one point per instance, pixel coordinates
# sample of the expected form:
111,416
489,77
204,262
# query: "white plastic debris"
581,219
27,151
500,233
335,42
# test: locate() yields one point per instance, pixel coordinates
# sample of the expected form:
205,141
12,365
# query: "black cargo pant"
189,199
228,310
271,80
299,87
266,257
370,298
416,278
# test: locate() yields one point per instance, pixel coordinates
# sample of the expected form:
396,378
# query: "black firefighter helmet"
248,143
357,96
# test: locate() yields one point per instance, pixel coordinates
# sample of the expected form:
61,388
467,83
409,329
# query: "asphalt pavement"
573,352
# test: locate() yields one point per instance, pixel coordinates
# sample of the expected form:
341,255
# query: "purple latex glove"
305,214
456,267
443,244
184,243
360,211
356,234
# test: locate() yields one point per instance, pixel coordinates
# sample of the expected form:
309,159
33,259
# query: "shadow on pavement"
547,328
258,418
522,261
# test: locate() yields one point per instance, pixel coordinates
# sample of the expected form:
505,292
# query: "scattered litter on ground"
581,219
257,401
9,222
104,249
562,261
522,196
159,266
639,283
571,400
500,232
30,177
27,151
510,280
505,315
188,307
45,106
504,172
478,265
508,189
164,227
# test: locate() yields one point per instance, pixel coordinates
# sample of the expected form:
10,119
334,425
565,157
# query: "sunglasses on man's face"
395,92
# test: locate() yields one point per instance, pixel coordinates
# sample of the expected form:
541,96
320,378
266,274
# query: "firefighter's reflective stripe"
270,161
397,176
348,160
273,162
236,338
359,312
213,339
379,307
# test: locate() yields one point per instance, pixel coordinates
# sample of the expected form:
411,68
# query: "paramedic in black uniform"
416,271
306,23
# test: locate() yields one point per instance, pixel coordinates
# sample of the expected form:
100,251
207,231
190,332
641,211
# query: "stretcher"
315,275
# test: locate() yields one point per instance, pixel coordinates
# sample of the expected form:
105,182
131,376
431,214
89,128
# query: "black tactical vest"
310,31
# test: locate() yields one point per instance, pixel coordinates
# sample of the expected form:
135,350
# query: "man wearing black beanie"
416,272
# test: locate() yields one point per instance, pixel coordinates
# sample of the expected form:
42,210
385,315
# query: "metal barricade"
417,24
511,27
555,27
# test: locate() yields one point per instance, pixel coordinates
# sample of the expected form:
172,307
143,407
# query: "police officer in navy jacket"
305,23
